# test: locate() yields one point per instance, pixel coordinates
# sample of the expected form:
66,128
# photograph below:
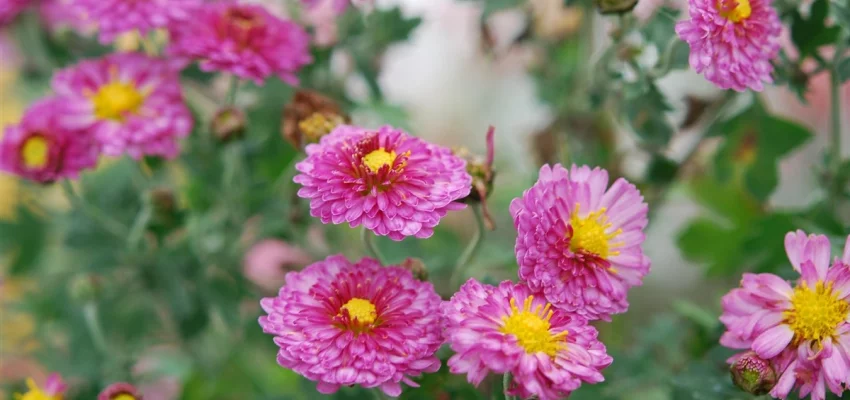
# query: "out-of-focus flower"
481,171
802,331
9,9
53,389
244,40
129,102
120,391
228,124
309,116
579,242
267,263
60,14
753,374
42,149
732,41
507,328
553,20
114,17
340,323
394,184
322,16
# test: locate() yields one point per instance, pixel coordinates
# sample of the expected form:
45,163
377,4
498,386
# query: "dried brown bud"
417,267
481,170
309,116
228,124
615,6
753,374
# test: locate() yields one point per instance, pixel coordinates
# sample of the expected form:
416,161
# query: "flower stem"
93,325
835,112
379,394
506,383
368,240
232,91
112,226
471,249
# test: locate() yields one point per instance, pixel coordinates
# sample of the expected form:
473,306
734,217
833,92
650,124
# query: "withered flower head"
309,116
481,170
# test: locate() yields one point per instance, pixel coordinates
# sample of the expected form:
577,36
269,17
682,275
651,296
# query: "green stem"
93,325
368,240
379,394
471,249
835,112
232,91
112,226
506,383
137,231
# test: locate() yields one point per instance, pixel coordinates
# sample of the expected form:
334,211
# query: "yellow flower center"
734,10
590,234
531,328
115,99
361,311
377,159
34,152
815,314
124,396
35,393
317,125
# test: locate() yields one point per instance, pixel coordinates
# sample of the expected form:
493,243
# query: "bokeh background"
726,176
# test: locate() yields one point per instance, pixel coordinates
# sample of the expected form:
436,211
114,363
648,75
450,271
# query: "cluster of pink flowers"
802,330
129,103
578,247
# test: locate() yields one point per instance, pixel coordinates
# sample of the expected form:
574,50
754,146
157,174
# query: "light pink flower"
41,149
394,184
802,330
579,242
340,323
507,328
244,40
268,261
129,102
114,17
732,41
9,9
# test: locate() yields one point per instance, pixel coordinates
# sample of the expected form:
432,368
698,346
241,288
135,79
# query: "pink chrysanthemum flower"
114,17
802,330
129,102
394,184
340,323
509,329
732,41
578,243
9,9
120,391
245,40
53,389
41,149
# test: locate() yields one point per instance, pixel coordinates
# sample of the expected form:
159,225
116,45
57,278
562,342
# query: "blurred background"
726,176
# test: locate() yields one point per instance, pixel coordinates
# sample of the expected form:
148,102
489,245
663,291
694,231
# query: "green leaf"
24,240
718,246
659,31
646,109
662,170
492,6
809,34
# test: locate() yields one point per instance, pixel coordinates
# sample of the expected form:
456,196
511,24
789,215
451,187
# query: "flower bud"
164,211
120,391
416,267
228,124
753,374
615,6
309,116
268,261
84,288
481,170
